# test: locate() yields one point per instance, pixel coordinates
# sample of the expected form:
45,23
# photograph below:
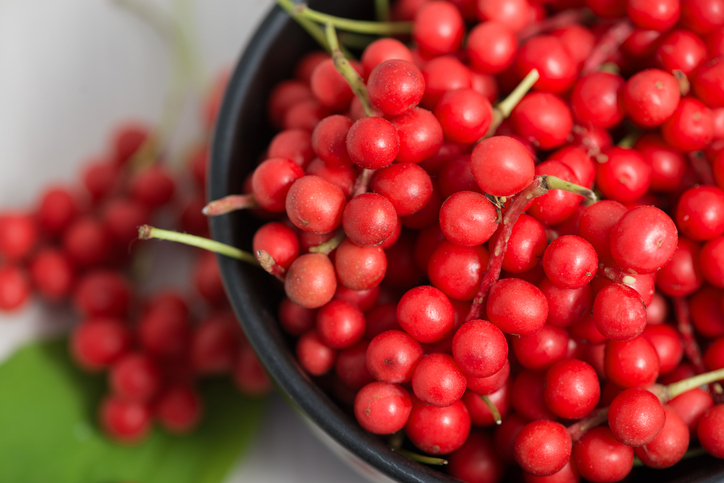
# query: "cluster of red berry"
421,232
77,246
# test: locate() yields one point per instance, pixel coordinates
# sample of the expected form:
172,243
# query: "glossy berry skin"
658,15
618,312
456,270
555,65
426,314
57,209
438,430
280,241
682,275
381,50
643,240
543,119
599,457
329,86
631,363
690,127
464,114
543,349
517,307
490,384
650,97
682,50
556,206
668,165
526,245
476,460
52,274
570,262
315,356
479,348
502,166
669,447
543,447
87,242
406,185
329,140
491,47
315,205
369,219
392,356
702,16
178,409
340,324
468,218
624,176
707,83
438,28
443,74
571,389
636,417
710,433
437,380
382,408
700,213
311,281
597,99
15,287
127,422
372,143
711,261
359,268
135,377
99,342
420,134
395,86
271,182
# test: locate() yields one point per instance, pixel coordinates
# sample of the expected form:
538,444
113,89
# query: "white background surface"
69,71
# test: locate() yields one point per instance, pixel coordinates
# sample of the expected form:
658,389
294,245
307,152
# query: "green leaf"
48,430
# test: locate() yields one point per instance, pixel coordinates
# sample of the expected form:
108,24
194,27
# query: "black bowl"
242,134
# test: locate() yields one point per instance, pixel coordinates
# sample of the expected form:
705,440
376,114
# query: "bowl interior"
241,137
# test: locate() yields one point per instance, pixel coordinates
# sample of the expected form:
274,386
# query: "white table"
69,71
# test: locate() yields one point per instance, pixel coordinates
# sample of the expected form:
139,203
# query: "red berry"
125,421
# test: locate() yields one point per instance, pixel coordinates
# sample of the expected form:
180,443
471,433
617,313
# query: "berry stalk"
609,43
357,26
683,324
147,232
228,204
355,81
506,106
560,20
268,263
517,204
314,30
330,245
493,409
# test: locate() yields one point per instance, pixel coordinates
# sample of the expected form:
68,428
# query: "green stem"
358,26
355,81
553,183
493,409
507,105
147,232
314,30
382,10
428,460
230,203
328,247
681,387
